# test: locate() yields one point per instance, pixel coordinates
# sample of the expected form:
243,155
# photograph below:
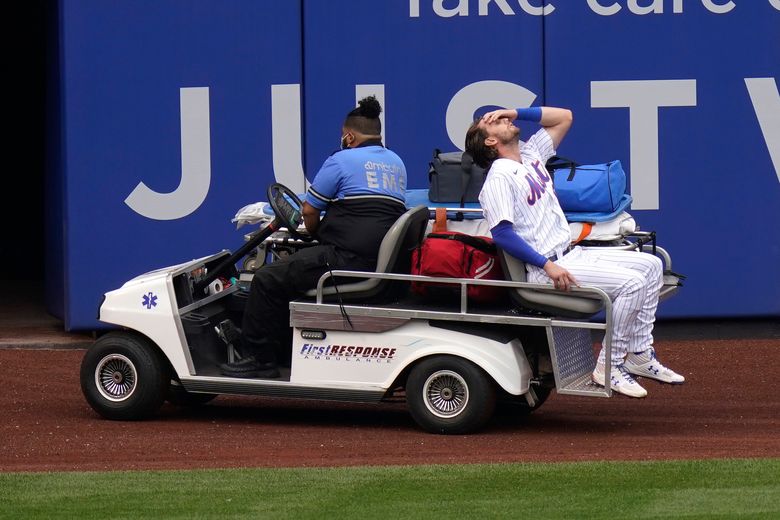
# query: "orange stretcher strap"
587,227
440,224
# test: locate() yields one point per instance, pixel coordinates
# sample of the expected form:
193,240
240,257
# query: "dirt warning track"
728,407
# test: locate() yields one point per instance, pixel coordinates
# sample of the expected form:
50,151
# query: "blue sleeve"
506,238
326,184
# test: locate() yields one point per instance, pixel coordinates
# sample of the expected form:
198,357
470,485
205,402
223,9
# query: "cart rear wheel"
446,394
124,377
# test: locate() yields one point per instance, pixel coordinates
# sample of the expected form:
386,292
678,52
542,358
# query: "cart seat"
394,257
557,304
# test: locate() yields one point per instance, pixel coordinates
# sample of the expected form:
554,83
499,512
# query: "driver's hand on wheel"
562,279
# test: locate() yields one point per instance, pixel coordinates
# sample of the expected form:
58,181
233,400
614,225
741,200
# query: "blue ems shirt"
364,192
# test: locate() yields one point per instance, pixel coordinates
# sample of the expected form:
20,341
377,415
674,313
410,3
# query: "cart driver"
361,188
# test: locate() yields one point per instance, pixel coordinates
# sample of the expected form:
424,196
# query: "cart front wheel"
124,377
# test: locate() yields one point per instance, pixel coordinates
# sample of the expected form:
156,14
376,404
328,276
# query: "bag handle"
467,164
431,169
556,162
485,244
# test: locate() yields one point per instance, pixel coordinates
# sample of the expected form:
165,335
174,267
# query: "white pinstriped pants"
631,279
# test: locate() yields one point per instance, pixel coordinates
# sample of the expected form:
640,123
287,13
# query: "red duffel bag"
457,255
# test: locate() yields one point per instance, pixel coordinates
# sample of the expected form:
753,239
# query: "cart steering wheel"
287,209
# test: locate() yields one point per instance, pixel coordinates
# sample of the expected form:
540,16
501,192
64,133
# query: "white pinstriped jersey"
522,193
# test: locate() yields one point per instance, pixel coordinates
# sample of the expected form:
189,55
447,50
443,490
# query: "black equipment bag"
453,177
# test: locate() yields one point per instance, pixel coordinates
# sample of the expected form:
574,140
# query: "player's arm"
556,121
505,237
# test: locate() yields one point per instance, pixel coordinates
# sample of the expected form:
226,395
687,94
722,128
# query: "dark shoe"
250,367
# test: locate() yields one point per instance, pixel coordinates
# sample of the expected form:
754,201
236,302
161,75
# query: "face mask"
344,142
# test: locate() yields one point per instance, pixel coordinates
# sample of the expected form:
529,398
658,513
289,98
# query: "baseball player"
527,221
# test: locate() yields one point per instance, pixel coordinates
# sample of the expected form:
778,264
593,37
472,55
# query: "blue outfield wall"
678,98
166,132
174,115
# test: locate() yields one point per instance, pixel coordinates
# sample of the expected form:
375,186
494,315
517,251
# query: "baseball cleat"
620,381
645,364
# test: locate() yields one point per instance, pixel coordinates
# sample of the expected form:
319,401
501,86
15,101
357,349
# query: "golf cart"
357,336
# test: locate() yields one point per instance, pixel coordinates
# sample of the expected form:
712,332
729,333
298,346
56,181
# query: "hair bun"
369,107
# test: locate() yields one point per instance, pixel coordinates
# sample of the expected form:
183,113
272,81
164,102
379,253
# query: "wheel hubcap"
115,377
446,394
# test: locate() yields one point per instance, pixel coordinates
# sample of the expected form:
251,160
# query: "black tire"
124,377
450,395
178,396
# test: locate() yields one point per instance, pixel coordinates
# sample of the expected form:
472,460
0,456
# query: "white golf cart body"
368,349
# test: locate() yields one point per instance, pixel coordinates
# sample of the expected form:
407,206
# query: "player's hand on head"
495,115
562,279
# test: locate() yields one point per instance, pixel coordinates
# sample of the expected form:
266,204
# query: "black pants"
266,322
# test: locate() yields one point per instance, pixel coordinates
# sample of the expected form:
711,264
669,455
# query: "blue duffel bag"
587,187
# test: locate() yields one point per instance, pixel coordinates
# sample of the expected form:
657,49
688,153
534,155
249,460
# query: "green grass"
621,490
